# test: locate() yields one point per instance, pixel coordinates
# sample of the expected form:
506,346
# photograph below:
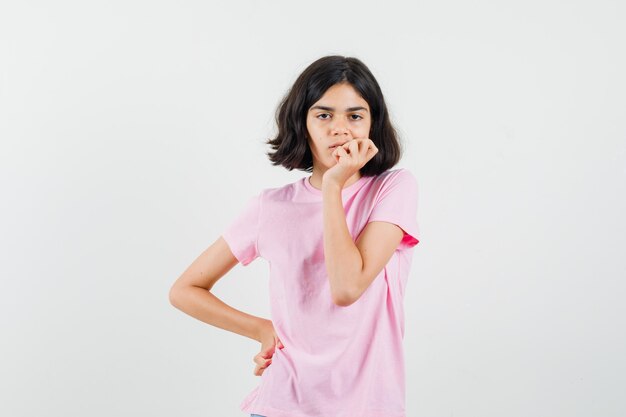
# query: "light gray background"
132,132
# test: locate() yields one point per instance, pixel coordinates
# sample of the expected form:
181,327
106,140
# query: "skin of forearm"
343,259
203,305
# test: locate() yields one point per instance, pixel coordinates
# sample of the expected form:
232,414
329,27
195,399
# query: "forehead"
343,96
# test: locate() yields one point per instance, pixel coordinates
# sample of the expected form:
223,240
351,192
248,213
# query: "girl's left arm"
352,266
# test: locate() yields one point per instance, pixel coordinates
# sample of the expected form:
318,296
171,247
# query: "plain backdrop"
132,132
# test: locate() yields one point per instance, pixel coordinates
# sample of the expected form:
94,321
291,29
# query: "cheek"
362,132
310,128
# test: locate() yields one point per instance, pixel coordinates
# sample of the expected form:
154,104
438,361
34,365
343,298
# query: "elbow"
346,296
175,296
344,299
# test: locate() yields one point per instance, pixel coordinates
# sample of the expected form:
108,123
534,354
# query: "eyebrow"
333,109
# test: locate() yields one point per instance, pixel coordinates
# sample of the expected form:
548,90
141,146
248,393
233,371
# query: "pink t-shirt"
337,361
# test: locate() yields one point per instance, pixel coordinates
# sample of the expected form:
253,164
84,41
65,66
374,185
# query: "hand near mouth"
350,158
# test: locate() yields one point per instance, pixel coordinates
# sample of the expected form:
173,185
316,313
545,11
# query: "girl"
339,247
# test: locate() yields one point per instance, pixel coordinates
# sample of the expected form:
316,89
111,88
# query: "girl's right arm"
191,293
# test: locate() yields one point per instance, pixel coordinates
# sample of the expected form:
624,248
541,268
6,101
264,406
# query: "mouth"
334,145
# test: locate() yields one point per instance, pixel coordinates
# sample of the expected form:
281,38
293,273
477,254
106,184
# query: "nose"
339,128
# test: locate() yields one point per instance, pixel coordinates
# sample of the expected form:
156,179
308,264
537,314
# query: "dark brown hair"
290,146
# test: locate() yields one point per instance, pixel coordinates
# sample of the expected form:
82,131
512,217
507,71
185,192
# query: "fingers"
264,358
341,151
261,364
360,150
367,150
356,146
353,146
371,150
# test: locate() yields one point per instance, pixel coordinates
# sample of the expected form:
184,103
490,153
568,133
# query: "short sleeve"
397,203
241,234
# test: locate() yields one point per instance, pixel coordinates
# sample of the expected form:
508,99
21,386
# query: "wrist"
331,183
263,326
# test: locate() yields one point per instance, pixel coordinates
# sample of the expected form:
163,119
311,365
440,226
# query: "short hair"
290,146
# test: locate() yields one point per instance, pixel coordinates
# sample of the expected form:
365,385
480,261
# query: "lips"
334,145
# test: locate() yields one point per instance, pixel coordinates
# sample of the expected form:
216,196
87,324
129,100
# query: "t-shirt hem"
412,237
275,412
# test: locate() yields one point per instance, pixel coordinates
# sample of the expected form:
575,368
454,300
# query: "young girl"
339,245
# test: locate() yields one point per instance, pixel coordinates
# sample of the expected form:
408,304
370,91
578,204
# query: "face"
340,115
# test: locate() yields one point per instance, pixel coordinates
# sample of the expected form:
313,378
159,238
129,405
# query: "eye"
323,114
357,115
